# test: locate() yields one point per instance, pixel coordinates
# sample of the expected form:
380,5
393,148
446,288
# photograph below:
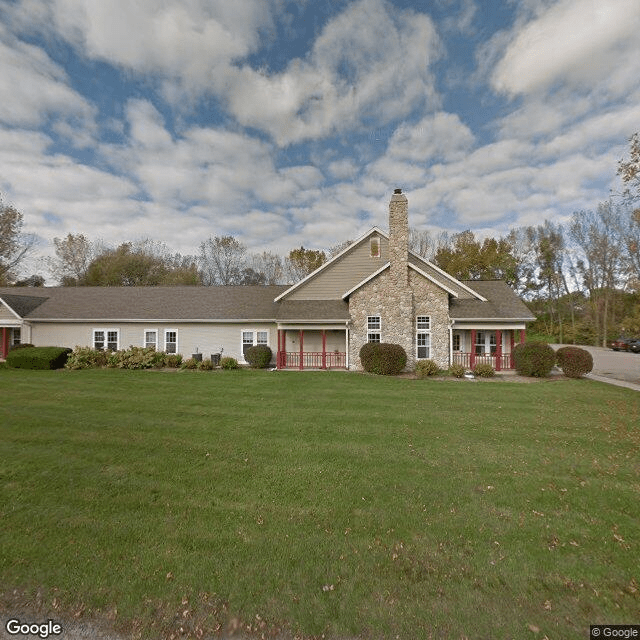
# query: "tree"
73,256
629,170
270,266
301,262
134,265
14,245
34,280
222,260
469,259
596,234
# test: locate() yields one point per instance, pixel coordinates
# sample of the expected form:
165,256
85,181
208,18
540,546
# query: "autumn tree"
222,260
270,265
73,255
301,262
629,170
466,258
14,245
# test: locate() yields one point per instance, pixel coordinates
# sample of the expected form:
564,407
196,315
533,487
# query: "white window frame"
374,329
145,343
167,331
423,334
255,334
14,342
456,337
106,331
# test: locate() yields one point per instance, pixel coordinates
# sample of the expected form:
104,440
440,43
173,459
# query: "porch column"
4,348
522,338
513,344
324,349
301,350
498,350
472,354
278,352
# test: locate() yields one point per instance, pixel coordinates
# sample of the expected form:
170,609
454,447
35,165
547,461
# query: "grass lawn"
311,503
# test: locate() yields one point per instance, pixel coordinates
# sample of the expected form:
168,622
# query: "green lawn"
335,503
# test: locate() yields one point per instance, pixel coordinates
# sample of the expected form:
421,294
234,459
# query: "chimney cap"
397,190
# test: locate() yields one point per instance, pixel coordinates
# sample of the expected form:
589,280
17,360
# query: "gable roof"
242,302
21,305
422,265
500,303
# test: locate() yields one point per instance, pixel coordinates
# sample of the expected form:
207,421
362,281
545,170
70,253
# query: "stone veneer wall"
398,308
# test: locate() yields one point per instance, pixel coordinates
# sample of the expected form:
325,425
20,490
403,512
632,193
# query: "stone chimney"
399,238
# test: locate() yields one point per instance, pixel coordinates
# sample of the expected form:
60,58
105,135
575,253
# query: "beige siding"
6,314
208,338
343,274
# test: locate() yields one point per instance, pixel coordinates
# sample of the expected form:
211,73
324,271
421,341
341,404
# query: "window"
151,338
423,337
456,345
485,343
250,338
374,247
479,346
374,328
171,341
15,337
108,339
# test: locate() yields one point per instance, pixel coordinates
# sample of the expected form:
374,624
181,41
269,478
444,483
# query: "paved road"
614,365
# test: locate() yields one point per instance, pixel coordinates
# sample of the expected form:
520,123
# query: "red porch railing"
312,360
504,361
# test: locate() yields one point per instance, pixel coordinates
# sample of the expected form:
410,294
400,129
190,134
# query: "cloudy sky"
289,122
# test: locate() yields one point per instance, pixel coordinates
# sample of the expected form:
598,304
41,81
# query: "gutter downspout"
451,323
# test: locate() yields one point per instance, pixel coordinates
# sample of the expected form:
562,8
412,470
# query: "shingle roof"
502,303
22,305
321,310
148,303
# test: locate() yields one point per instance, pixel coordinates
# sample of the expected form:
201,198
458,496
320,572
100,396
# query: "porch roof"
313,310
501,303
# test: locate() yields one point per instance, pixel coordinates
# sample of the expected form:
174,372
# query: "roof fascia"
19,317
363,282
494,319
158,320
432,279
449,277
313,274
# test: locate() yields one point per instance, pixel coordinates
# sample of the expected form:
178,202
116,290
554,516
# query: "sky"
290,122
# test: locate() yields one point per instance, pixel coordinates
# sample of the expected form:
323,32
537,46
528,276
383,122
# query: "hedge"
38,358
574,361
258,356
383,358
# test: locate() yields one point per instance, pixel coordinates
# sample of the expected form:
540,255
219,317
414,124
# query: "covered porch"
312,346
9,336
485,345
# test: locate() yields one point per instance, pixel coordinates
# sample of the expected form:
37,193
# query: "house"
375,290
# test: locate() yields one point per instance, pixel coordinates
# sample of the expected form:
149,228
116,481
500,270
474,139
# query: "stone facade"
398,295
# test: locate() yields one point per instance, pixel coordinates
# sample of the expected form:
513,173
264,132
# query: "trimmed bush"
172,360
258,356
484,370
383,358
457,370
425,368
574,361
229,363
38,358
86,358
535,359
206,365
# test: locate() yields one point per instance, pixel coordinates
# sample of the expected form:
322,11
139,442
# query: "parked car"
621,344
634,346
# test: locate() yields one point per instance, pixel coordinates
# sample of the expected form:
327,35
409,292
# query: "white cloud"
34,89
570,41
368,62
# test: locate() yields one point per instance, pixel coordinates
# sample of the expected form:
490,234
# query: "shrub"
21,345
383,358
206,365
38,358
134,358
258,356
229,363
190,363
457,370
86,358
534,359
426,368
483,370
173,360
574,361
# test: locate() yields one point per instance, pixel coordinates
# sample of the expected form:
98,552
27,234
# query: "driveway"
613,365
